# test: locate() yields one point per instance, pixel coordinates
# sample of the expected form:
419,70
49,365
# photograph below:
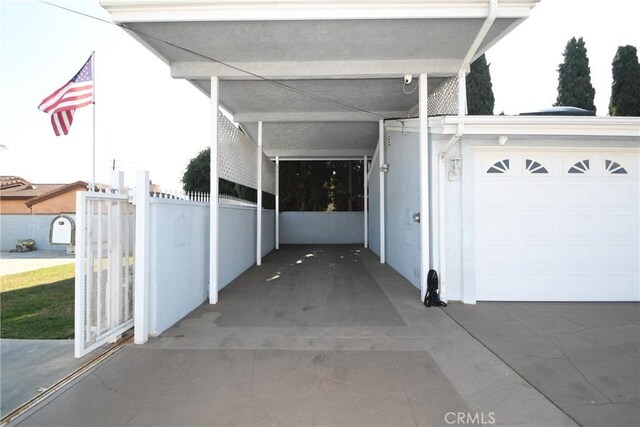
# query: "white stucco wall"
36,227
237,237
322,227
179,243
179,261
268,231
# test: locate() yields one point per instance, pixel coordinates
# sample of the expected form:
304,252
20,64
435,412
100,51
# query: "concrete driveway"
585,357
315,336
335,339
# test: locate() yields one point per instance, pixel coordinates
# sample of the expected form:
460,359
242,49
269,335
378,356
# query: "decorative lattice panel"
268,175
238,158
443,101
237,154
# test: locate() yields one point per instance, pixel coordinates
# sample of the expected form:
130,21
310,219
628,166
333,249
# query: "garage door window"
614,168
580,167
535,167
499,167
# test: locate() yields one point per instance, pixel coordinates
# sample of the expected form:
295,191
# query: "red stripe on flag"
64,101
61,122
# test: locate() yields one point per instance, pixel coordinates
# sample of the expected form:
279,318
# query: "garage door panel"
616,225
538,225
539,285
541,195
499,195
577,196
620,256
579,257
617,196
500,224
493,256
579,226
497,286
541,256
558,236
574,287
615,287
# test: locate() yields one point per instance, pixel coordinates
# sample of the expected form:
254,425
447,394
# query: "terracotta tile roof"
55,191
12,181
28,191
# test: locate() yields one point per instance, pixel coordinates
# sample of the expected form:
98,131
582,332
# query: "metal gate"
104,285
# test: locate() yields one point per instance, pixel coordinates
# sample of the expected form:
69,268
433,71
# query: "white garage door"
557,225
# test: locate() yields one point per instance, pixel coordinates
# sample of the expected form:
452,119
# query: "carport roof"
352,52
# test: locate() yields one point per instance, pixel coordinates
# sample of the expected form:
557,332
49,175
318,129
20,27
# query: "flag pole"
92,185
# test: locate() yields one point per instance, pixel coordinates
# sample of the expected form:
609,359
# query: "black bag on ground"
432,298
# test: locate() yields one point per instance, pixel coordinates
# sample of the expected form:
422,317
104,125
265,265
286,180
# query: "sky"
147,120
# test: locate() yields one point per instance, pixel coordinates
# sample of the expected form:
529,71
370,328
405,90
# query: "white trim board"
272,10
535,125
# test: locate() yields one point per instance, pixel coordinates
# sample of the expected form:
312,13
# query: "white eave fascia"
277,10
537,125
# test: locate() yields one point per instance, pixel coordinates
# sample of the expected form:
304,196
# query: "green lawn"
38,304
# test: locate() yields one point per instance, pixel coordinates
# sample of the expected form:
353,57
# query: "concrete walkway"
315,336
19,262
583,356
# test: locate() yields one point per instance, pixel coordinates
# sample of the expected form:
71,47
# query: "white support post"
81,249
213,201
115,264
424,185
383,245
259,213
141,301
365,204
277,202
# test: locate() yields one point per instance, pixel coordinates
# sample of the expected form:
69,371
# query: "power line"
249,73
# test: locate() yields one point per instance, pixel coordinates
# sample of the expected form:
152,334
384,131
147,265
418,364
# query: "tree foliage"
625,89
574,79
304,186
480,99
197,177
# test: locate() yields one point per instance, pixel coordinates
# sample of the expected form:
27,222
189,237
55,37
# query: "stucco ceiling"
276,41
259,100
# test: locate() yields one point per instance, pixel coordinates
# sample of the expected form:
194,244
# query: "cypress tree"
480,99
625,89
574,80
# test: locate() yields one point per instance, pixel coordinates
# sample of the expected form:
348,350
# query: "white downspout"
462,111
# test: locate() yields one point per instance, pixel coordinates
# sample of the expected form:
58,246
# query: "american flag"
62,103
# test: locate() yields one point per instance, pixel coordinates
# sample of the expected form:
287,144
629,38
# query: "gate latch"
416,217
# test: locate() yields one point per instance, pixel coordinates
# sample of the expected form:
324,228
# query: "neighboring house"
19,196
27,209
